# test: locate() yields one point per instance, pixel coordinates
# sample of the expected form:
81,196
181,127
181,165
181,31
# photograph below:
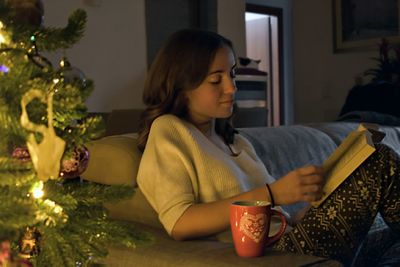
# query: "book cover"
350,154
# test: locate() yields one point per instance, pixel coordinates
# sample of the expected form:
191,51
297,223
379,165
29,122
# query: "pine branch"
10,164
14,177
53,249
15,211
51,39
127,234
9,125
89,193
47,38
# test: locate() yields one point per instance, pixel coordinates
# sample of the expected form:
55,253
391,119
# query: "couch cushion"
113,160
135,209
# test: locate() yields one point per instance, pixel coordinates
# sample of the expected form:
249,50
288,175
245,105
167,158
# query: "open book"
350,154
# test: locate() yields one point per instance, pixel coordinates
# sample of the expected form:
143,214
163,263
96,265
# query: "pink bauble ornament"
22,154
5,252
27,11
76,164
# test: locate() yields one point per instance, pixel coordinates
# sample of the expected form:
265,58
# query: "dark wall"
165,17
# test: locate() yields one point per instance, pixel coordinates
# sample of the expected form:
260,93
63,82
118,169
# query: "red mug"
250,224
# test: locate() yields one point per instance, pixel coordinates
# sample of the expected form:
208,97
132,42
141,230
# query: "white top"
180,166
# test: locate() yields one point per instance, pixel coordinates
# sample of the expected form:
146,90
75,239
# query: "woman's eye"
215,80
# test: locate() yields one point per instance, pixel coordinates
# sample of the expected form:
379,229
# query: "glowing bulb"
4,69
37,190
62,63
2,39
56,80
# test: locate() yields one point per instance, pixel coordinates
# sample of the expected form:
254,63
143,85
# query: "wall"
231,23
165,17
112,52
321,78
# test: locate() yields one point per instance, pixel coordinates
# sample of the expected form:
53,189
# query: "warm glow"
37,190
2,39
56,208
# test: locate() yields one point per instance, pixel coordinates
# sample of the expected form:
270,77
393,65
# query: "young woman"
194,163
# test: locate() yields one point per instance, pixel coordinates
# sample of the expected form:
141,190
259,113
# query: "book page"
350,154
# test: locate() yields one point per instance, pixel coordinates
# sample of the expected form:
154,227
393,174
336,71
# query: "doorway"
264,41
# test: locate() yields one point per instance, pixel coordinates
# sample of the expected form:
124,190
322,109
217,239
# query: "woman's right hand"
302,184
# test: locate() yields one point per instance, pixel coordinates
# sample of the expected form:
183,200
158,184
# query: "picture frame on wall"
361,24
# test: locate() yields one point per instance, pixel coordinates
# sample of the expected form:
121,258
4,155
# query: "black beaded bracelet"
270,194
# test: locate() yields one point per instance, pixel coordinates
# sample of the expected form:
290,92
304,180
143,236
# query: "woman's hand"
302,184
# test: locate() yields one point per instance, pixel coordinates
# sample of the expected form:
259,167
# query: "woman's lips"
227,102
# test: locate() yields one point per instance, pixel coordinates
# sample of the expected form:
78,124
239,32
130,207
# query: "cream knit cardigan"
181,166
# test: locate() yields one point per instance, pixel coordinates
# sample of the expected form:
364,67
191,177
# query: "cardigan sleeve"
166,174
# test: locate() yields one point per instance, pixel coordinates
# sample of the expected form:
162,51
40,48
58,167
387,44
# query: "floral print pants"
338,226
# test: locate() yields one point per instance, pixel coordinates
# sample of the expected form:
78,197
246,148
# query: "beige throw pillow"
113,160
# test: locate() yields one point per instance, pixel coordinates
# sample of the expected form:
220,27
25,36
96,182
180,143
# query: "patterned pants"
338,226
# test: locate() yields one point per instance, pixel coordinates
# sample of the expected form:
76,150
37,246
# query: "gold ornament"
30,243
45,156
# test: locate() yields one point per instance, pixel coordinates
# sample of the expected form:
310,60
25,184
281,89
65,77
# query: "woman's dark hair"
180,65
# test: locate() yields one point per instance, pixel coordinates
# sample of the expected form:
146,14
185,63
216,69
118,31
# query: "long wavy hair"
180,65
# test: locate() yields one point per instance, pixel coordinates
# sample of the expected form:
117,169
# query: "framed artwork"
361,24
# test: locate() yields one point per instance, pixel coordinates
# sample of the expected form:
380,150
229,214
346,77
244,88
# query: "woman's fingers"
311,183
310,169
314,191
302,184
312,179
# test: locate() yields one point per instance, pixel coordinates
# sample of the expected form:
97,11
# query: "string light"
4,69
2,37
37,190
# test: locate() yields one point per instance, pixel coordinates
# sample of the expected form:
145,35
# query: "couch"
114,160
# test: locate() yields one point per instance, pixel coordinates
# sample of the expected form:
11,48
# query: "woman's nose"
230,87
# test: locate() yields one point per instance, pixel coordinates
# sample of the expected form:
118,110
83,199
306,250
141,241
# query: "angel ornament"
45,156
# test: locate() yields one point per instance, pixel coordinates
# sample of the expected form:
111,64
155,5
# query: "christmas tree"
46,218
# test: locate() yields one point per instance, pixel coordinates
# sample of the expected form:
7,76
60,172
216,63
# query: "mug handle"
282,229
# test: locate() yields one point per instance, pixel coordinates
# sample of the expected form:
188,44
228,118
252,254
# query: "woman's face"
214,97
